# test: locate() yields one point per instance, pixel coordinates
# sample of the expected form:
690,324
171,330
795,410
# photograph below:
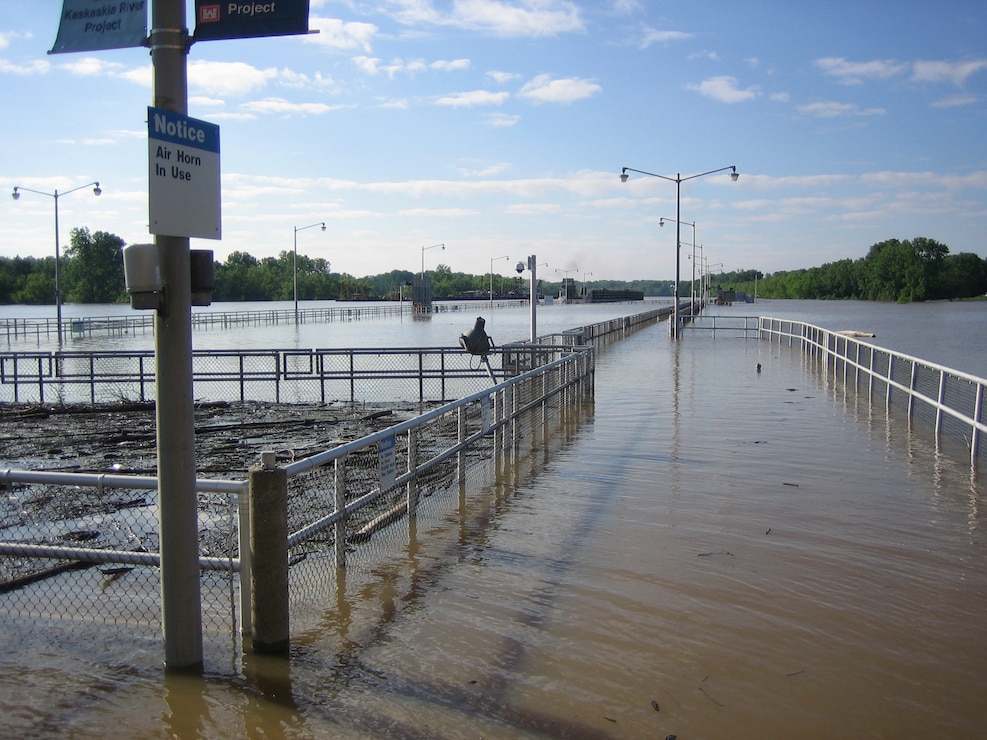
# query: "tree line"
91,271
919,269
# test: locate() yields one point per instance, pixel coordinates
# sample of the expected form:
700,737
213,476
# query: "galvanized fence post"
269,545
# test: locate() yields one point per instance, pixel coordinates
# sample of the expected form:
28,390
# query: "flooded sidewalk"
724,544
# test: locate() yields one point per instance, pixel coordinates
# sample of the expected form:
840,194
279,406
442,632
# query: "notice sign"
183,175
385,463
238,20
89,25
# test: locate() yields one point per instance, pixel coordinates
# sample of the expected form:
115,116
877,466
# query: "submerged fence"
79,548
950,401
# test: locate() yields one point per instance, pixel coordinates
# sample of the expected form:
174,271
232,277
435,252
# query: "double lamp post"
674,327
97,190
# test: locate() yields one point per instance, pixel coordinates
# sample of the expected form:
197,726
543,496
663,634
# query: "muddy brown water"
707,551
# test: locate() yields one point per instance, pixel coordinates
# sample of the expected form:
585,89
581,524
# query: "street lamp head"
323,225
623,176
661,221
97,190
15,195
735,175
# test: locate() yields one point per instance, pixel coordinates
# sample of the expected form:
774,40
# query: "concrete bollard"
269,547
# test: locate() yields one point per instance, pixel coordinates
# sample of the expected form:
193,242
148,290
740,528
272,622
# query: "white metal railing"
951,401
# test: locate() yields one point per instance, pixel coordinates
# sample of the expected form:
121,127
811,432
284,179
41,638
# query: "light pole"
585,294
565,275
661,222
294,263
16,195
492,259
532,265
678,180
425,249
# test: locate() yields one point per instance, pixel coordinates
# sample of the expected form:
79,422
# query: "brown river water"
706,551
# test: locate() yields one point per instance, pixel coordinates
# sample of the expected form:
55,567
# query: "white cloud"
280,106
515,18
34,67
472,98
7,36
955,101
831,109
228,78
337,34
501,120
955,72
544,89
654,36
854,73
724,89
502,78
91,66
451,65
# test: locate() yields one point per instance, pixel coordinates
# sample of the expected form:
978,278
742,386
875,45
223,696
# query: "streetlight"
16,195
585,293
294,263
565,276
425,249
661,222
492,259
678,180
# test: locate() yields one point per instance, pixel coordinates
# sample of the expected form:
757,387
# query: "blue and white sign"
89,25
184,192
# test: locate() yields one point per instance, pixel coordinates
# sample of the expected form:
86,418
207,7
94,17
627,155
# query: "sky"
499,128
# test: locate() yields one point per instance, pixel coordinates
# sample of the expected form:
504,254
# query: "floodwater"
707,551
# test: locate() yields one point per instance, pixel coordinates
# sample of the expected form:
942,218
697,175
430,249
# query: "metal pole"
180,589
294,275
692,303
678,230
58,279
533,295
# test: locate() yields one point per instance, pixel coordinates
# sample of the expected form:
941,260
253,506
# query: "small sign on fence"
385,462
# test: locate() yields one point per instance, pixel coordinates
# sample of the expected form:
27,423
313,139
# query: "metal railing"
950,401
57,526
280,375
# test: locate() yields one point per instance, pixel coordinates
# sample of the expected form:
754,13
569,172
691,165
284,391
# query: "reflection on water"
706,550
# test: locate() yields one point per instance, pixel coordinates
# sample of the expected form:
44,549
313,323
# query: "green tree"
93,272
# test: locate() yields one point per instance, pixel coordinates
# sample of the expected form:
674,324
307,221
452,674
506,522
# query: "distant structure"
603,295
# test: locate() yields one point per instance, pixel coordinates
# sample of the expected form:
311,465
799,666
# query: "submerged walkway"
709,550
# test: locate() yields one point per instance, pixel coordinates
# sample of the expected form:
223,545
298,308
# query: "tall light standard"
425,249
492,259
16,195
661,222
585,294
678,180
294,263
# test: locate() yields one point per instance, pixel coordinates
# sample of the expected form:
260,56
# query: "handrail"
967,411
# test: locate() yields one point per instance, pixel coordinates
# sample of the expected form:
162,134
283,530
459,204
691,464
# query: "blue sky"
499,128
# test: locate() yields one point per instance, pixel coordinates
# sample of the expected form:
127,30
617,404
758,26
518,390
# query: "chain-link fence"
83,548
948,401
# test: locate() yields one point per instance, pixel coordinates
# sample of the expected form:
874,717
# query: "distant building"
603,295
